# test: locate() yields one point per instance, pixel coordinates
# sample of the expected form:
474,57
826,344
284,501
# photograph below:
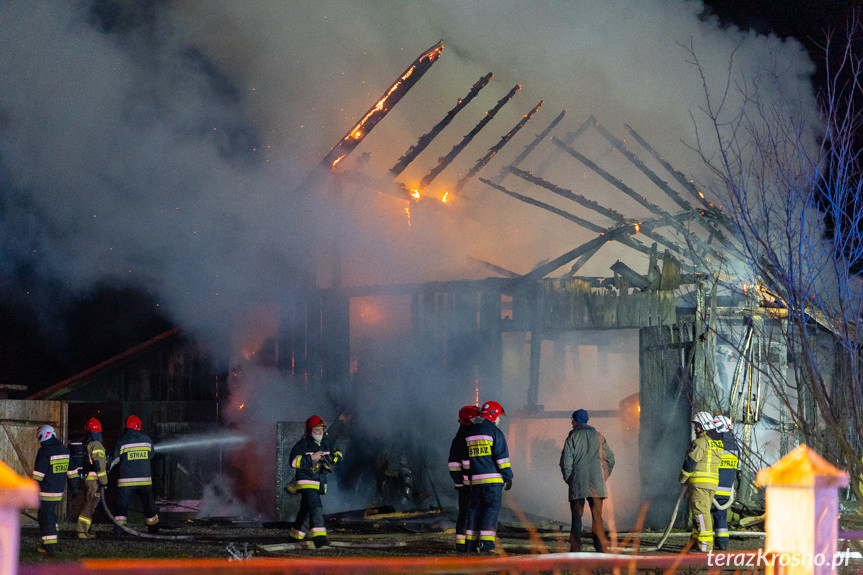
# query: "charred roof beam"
446,160
713,215
642,201
497,147
615,233
427,138
530,147
590,204
625,240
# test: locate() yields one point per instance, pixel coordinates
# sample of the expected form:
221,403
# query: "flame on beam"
376,113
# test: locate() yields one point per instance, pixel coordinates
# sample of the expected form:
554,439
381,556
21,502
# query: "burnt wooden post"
802,523
16,493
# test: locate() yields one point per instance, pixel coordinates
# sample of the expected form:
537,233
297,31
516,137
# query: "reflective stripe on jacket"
701,468
312,474
729,464
132,457
51,469
457,456
487,455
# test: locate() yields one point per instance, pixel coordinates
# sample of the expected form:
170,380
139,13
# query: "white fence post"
802,523
16,493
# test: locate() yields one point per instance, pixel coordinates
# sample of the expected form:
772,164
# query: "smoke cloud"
168,146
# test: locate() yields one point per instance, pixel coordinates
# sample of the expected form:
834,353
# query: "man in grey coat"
586,462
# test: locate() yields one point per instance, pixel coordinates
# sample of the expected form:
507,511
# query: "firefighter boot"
321,541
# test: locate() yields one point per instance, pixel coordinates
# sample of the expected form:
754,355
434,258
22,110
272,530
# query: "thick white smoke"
167,145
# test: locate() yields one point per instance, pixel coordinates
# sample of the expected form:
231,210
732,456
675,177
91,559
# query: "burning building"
628,321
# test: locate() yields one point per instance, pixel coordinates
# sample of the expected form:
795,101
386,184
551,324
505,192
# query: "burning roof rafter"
376,113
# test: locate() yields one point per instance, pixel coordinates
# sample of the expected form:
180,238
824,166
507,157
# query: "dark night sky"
107,320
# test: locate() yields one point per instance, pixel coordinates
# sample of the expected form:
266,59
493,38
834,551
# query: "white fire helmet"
721,424
45,433
704,419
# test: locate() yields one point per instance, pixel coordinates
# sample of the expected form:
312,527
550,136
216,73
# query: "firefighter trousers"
720,523
700,502
485,503
145,494
311,513
47,517
91,499
461,519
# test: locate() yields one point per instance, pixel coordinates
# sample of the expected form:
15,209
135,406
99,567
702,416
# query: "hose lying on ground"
667,531
665,534
134,532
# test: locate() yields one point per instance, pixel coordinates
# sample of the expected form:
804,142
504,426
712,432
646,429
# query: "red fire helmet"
466,413
132,422
313,422
96,425
491,410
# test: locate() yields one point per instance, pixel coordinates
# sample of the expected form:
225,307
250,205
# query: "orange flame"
415,193
445,197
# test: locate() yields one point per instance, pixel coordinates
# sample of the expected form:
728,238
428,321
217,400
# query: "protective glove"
507,485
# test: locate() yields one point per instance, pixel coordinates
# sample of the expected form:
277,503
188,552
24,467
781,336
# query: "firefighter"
700,473
586,462
94,471
727,476
313,457
133,455
456,464
52,471
488,472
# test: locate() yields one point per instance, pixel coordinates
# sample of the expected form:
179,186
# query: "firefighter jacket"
701,467
487,455
458,454
729,465
312,474
52,470
586,462
132,457
95,462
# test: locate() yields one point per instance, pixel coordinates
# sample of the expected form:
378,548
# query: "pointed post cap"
802,467
17,491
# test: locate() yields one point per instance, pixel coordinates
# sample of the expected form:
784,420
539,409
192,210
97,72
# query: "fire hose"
665,534
134,532
667,531
670,522
727,504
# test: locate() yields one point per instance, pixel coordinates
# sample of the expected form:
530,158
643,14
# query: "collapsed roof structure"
685,311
